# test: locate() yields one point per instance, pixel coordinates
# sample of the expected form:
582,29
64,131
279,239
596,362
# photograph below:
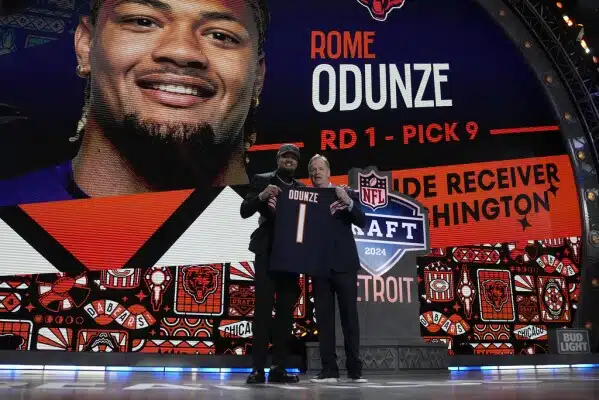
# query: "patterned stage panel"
499,299
194,309
487,299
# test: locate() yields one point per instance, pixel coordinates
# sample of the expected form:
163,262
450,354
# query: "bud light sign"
573,341
395,223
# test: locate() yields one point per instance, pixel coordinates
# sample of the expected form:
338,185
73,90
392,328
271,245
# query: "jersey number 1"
301,222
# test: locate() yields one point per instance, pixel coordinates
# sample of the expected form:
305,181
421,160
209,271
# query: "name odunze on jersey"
395,224
300,195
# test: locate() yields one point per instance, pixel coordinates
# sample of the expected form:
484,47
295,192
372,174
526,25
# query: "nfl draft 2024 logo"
395,223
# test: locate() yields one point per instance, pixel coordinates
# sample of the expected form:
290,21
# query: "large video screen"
130,130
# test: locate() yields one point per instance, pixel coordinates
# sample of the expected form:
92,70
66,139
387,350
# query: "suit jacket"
261,238
344,254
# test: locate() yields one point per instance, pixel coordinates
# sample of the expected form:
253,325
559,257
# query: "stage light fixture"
568,20
177,369
84,368
511,367
584,45
521,367
581,34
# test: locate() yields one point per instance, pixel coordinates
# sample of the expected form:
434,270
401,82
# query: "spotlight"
584,45
568,20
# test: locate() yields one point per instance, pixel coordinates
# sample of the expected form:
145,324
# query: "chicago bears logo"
379,9
395,223
11,342
495,293
200,281
102,343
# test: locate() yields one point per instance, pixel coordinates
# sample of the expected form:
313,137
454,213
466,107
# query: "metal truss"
544,21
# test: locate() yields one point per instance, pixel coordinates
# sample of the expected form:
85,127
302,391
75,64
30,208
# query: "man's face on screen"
176,67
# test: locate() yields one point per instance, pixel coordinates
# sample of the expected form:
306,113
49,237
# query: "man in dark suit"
286,285
339,278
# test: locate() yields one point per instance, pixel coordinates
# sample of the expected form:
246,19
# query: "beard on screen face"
171,156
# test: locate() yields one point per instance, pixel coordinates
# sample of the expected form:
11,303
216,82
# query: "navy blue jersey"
303,234
49,184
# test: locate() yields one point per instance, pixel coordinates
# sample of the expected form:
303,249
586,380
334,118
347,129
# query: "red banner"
494,202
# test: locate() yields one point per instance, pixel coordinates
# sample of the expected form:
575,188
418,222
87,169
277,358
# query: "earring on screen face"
80,128
83,120
81,73
250,141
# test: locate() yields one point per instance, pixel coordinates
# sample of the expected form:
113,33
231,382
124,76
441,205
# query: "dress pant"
286,287
345,286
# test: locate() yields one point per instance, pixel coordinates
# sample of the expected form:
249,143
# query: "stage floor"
546,385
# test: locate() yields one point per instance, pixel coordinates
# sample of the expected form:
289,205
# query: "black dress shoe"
356,377
279,375
257,376
326,377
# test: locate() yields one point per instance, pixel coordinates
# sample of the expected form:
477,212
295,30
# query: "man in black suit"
339,278
285,285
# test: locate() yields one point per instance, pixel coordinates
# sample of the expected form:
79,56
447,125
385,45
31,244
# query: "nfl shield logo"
394,225
373,190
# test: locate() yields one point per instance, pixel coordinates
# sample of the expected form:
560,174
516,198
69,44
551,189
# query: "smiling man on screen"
173,86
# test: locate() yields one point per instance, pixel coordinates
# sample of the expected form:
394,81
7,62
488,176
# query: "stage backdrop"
432,91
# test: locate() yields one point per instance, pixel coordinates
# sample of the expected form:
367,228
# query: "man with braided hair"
173,86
